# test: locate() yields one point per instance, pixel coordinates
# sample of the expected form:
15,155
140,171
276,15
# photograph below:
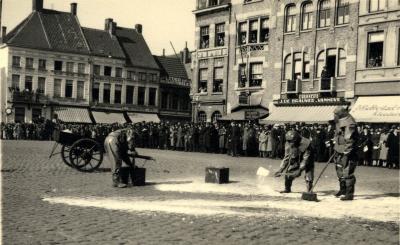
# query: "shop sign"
311,101
251,115
212,53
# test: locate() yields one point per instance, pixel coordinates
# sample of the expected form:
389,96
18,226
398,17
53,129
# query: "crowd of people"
379,145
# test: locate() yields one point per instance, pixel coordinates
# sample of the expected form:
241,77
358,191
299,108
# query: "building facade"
69,70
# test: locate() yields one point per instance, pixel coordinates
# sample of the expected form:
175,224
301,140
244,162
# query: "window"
324,14
41,85
118,72
375,49
256,72
142,76
218,79
220,35
201,116
15,81
334,61
306,66
70,67
129,95
58,65
29,63
242,35
201,4
376,5
107,71
164,100
185,101
81,68
152,96
174,101
204,37
141,95
242,76
28,83
130,74
342,16
68,89
215,116
106,93
253,33
307,16
342,63
288,68
42,65
19,114
80,89
36,113
117,94
203,80
57,88
264,32
96,70
290,18
155,77
297,66
95,92
16,61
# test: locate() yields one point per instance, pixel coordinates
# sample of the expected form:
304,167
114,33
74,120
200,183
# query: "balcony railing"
203,4
69,74
28,97
327,85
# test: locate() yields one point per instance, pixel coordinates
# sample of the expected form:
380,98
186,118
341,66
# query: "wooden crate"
217,175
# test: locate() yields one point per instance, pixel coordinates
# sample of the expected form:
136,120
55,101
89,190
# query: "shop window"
290,18
218,79
28,83
106,93
174,101
220,35
58,65
129,95
95,92
68,89
141,95
204,37
256,74
41,85
264,32
376,5
253,32
19,114
324,14
242,76
202,116
203,80
70,67
164,100
152,96
16,61
118,72
307,16
80,89
29,63
15,81
215,116
81,68
342,16
185,103
36,114
242,35
42,65
117,94
107,71
96,70
57,88
375,49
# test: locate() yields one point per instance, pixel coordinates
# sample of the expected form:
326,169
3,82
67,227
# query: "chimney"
37,5
163,52
112,28
107,24
185,55
139,28
74,7
3,34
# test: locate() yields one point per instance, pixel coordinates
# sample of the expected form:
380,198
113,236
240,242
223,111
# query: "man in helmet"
119,146
346,144
299,156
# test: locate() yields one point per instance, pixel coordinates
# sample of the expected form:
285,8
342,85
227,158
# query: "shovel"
311,196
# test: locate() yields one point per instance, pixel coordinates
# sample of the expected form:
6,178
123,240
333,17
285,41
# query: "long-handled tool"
311,196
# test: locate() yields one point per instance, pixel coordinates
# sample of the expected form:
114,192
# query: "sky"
163,21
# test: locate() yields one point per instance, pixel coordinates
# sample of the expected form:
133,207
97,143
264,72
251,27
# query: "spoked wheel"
86,155
65,149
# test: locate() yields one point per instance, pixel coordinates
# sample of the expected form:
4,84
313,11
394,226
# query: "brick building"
51,65
296,56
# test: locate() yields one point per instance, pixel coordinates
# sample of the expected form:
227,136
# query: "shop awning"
245,114
143,117
73,115
377,109
293,114
108,117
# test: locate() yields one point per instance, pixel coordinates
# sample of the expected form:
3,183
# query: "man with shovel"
299,156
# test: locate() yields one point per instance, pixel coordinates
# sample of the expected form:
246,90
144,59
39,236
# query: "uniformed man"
299,156
119,146
346,140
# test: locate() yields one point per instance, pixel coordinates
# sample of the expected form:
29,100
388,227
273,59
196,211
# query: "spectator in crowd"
393,148
383,148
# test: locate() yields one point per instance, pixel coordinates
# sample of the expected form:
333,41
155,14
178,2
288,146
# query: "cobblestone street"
46,202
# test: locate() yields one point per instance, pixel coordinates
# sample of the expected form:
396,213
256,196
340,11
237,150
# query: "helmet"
292,136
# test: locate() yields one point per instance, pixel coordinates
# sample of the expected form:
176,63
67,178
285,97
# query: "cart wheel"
86,155
65,155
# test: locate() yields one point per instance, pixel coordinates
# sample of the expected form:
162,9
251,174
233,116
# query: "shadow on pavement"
169,182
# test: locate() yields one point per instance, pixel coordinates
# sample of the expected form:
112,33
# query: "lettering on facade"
251,115
311,101
379,110
212,53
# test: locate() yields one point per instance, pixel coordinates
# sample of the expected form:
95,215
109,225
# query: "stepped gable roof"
171,66
49,30
135,48
101,43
